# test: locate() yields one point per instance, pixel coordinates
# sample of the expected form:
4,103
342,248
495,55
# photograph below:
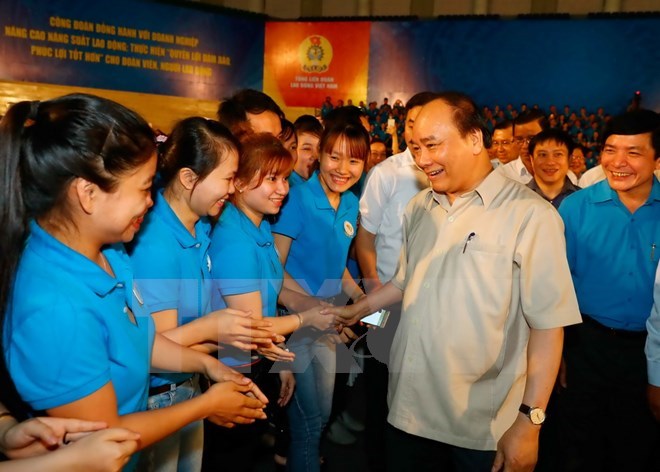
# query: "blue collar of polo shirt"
602,192
78,266
261,235
163,210
321,199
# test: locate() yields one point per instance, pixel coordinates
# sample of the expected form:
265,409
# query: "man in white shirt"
389,187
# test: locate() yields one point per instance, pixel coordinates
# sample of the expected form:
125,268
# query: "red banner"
306,62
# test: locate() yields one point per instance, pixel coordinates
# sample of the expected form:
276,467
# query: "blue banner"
138,46
580,62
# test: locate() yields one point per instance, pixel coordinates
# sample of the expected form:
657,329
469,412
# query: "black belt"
165,388
622,333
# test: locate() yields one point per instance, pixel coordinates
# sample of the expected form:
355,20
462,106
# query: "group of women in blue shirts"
93,331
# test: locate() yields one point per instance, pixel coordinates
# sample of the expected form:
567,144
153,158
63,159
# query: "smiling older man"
613,245
486,291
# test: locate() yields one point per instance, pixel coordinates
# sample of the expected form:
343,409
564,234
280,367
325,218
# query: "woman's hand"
287,388
38,435
277,353
342,315
219,372
231,404
315,319
238,329
103,451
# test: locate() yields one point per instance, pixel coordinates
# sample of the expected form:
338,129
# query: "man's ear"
188,178
476,138
86,192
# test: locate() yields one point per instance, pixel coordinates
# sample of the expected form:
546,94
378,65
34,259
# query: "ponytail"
13,231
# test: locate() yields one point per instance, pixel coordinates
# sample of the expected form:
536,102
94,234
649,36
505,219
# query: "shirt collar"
261,235
164,211
320,198
487,190
79,266
602,192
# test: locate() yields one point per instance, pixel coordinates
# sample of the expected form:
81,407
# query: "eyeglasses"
502,143
523,140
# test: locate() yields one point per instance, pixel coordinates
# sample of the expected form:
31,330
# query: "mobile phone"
377,318
390,122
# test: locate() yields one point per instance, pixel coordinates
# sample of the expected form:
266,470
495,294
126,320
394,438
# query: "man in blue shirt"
612,230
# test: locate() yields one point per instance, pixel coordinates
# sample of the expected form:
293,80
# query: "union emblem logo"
315,53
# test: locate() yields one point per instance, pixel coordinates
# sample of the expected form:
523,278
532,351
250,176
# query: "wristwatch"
535,414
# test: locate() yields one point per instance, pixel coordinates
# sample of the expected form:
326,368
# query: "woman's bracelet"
300,320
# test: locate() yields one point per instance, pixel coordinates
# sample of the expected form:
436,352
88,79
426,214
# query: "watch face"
537,415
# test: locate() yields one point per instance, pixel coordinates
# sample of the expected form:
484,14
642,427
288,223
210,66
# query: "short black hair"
343,115
233,111
552,134
635,122
467,115
529,116
420,99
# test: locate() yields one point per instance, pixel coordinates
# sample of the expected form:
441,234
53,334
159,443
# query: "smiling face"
257,200
339,170
448,159
522,134
550,162
209,194
577,161
506,149
121,211
377,155
308,154
628,162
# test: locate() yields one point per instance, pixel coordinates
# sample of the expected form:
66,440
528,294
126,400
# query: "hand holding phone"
377,318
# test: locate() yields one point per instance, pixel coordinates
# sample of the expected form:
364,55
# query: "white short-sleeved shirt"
476,276
592,176
516,170
389,187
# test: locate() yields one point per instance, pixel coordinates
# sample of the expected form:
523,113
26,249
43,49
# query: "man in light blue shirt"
612,230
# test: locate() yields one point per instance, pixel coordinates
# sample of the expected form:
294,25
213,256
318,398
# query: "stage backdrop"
580,62
305,62
130,45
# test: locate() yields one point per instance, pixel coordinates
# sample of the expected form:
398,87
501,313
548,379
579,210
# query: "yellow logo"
315,54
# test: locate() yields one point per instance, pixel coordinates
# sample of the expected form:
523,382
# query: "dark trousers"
409,453
376,374
236,449
604,420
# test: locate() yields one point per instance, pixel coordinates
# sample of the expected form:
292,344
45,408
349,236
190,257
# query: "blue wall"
581,62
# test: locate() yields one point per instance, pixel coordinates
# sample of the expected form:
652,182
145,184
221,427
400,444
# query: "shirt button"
268,244
450,219
125,310
120,285
198,245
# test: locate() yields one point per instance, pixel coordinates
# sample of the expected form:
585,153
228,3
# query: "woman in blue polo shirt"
248,275
170,260
77,338
313,234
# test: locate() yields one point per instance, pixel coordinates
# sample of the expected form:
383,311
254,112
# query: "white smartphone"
390,123
377,318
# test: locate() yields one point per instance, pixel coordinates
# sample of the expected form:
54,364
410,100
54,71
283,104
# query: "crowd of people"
585,127
165,300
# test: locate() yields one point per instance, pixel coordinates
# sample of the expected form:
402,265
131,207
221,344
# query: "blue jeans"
182,450
309,410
